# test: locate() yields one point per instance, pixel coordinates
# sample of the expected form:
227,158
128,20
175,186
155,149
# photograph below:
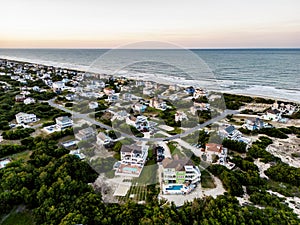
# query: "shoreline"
161,80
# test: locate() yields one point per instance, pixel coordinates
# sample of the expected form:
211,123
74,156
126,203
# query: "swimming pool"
129,169
174,188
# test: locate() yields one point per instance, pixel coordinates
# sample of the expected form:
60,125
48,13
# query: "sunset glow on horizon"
191,24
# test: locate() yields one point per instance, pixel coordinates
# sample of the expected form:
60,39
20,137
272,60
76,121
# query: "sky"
113,23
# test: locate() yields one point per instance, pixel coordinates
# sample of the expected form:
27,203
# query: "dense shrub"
273,132
6,150
284,173
235,145
17,134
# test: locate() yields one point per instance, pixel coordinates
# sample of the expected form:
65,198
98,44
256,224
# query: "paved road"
185,133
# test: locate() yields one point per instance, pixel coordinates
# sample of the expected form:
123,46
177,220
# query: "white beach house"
63,122
25,118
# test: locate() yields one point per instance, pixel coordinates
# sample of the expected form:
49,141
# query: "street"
185,133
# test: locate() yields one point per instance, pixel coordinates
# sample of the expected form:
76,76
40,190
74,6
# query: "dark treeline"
237,146
17,133
54,186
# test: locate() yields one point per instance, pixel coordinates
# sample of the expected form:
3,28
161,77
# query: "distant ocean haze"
264,72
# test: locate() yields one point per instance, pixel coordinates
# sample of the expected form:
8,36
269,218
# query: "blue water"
174,188
267,72
129,169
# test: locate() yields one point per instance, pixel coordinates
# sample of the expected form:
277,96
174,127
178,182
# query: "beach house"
230,132
158,104
179,175
133,158
284,108
85,134
63,122
29,100
215,153
139,107
140,122
19,98
25,118
274,115
179,116
255,124
134,154
103,139
58,86
199,93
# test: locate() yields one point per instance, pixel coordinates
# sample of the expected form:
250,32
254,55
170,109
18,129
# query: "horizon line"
191,48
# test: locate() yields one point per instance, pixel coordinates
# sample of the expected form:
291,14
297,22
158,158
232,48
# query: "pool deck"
135,172
198,192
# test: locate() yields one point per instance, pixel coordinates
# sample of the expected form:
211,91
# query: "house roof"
102,136
230,129
86,131
19,96
177,164
24,114
131,148
63,119
213,147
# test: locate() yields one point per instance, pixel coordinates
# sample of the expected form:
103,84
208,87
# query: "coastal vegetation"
258,150
234,102
271,132
9,108
18,133
44,184
51,183
9,149
235,145
284,173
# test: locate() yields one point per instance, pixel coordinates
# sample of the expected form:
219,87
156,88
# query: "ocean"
264,72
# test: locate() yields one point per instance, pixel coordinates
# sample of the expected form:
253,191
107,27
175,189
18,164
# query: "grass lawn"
172,146
148,175
176,130
207,180
19,218
178,152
